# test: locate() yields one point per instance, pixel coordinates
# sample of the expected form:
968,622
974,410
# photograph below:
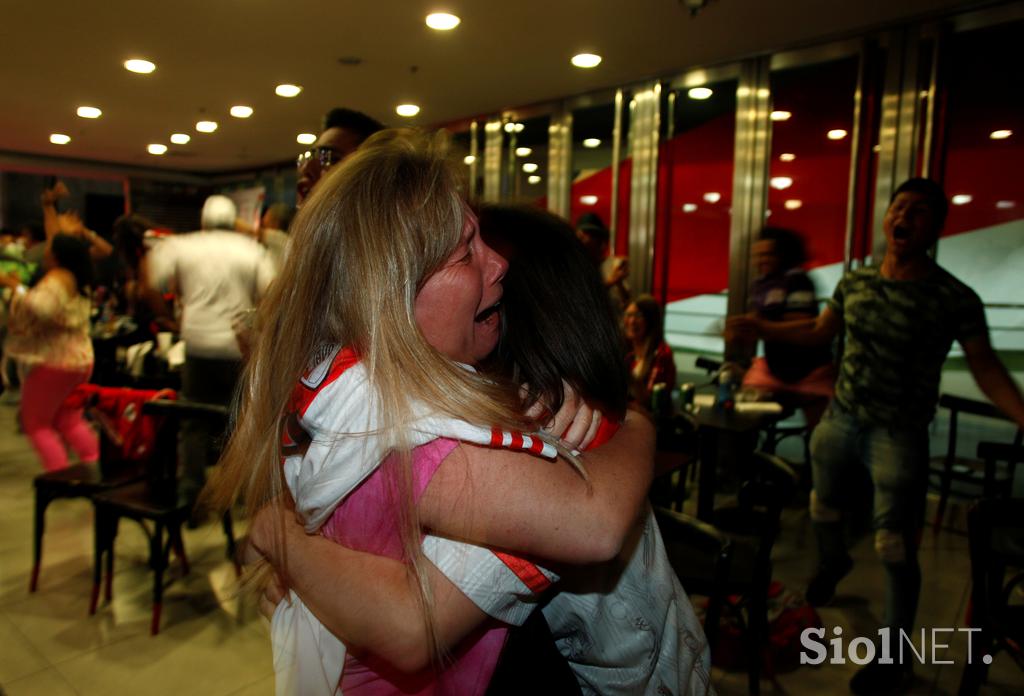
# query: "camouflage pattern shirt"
898,333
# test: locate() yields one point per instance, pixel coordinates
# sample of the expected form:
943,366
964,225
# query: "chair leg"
42,501
111,532
158,558
99,544
178,544
229,532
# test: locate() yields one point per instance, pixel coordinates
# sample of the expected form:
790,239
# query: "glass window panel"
526,160
983,241
809,170
695,171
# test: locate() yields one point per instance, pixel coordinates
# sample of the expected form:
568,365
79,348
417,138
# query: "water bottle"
725,398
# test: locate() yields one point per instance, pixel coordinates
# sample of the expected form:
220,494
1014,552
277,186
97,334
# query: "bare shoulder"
62,278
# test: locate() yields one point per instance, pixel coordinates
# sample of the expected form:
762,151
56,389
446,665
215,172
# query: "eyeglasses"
324,156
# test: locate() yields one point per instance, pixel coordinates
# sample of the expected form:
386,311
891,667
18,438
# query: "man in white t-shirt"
218,276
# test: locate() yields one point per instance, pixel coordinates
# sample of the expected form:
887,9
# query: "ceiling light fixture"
407,110
530,167
180,138
287,90
60,139
787,157
1000,134
962,199
591,142
793,204
241,111
206,126
1006,205
156,148
586,60
89,112
781,115
533,179
780,183
588,200
524,151
469,159
712,196
138,65
836,134
699,93
689,207
305,138
442,21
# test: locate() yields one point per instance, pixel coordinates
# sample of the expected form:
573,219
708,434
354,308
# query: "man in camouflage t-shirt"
900,319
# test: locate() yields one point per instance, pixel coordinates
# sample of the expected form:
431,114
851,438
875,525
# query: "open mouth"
901,233
489,312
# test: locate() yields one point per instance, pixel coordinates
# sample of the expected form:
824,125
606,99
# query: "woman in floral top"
49,338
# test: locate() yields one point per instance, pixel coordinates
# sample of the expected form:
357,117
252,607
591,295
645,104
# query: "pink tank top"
364,522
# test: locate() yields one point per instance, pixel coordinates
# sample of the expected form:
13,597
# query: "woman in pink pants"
49,338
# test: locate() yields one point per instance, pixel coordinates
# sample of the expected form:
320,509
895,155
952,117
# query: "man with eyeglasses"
344,130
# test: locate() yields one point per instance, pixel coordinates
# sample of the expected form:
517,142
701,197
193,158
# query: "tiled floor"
211,644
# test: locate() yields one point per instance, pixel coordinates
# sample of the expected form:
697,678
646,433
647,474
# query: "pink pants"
49,424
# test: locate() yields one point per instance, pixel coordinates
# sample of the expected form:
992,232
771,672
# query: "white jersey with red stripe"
331,443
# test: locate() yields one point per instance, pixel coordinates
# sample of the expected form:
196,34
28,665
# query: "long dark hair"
654,320
558,322
72,253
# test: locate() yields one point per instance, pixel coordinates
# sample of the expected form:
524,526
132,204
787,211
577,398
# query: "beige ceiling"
211,54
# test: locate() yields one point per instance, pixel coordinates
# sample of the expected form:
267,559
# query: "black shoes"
822,587
876,679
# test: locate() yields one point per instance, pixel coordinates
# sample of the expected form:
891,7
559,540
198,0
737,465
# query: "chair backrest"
961,404
995,531
162,466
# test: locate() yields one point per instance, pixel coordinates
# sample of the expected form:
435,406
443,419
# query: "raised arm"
542,508
804,332
993,379
370,602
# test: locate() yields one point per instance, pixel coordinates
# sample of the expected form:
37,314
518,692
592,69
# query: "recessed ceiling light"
793,204
442,21
588,200
533,179
1006,205
180,138
89,112
591,142
1000,134
469,159
787,157
836,134
524,151
876,148
287,90
156,148
60,139
781,115
780,183
530,167
206,126
962,199
305,138
712,196
689,207
699,93
138,65
586,60
241,111
407,110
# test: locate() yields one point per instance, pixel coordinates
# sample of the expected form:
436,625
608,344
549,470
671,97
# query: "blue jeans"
843,449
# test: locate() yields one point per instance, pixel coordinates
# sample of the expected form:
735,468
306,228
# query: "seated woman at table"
649,358
48,335
783,292
362,353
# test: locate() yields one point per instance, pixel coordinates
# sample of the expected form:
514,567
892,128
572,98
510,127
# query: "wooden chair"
966,471
114,469
156,501
996,538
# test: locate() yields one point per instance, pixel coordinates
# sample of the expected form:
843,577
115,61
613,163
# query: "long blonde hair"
373,231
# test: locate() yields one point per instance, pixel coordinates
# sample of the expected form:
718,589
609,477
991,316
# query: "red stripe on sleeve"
525,571
538,445
517,441
496,437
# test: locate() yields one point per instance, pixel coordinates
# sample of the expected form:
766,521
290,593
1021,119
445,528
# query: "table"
712,425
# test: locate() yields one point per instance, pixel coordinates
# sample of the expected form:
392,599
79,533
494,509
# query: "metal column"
492,161
643,146
560,163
